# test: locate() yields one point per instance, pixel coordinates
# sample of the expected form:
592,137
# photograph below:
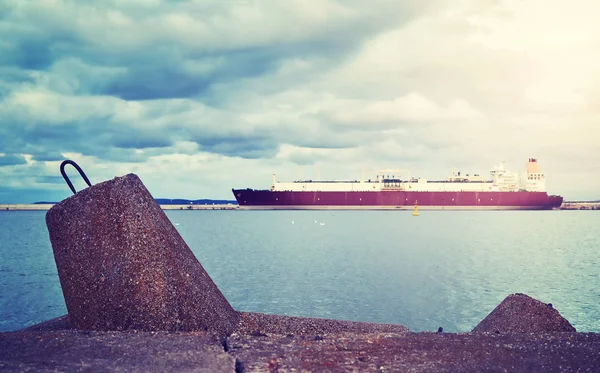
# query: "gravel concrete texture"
418,352
78,351
253,323
123,265
519,313
274,343
94,351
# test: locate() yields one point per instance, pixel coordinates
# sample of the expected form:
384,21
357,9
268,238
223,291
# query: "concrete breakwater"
139,300
580,206
25,207
520,335
200,207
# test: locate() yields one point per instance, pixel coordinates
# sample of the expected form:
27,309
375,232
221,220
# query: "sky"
199,97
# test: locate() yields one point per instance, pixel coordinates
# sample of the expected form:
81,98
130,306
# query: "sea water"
442,268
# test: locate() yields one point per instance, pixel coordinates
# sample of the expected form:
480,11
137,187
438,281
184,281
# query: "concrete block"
519,313
123,265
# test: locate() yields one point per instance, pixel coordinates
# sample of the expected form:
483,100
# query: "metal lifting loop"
62,171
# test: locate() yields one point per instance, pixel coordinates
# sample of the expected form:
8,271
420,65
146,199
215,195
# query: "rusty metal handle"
62,171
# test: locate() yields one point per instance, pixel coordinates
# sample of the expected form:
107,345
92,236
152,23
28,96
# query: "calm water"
442,268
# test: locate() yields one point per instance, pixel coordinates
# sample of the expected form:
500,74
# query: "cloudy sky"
198,97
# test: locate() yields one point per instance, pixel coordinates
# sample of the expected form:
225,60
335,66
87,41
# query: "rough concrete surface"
253,323
418,352
72,350
273,343
519,313
123,265
77,351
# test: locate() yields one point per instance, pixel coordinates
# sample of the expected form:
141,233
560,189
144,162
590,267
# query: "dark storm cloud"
11,160
155,52
155,80
154,47
97,137
251,148
27,43
139,138
150,82
13,75
10,76
42,139
43,156
30,54
161,72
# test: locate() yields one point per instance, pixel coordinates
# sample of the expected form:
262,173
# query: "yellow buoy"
416,210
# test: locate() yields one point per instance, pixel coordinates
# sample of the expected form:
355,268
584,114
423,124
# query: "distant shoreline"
46,207
233,206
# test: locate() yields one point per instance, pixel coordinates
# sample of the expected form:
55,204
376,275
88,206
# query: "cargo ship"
397,190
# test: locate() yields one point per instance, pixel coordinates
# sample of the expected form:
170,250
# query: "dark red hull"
266,199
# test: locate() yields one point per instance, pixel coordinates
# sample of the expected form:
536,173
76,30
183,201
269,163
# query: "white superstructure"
535,179
501,180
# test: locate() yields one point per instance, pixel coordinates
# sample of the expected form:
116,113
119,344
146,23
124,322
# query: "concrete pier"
24,207
272,343
580,206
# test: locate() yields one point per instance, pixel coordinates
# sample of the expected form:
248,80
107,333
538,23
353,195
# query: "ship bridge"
536,180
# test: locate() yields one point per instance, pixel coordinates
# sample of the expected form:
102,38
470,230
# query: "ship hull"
394,200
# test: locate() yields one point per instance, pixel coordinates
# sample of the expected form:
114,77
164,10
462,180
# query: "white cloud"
57,109
411,108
